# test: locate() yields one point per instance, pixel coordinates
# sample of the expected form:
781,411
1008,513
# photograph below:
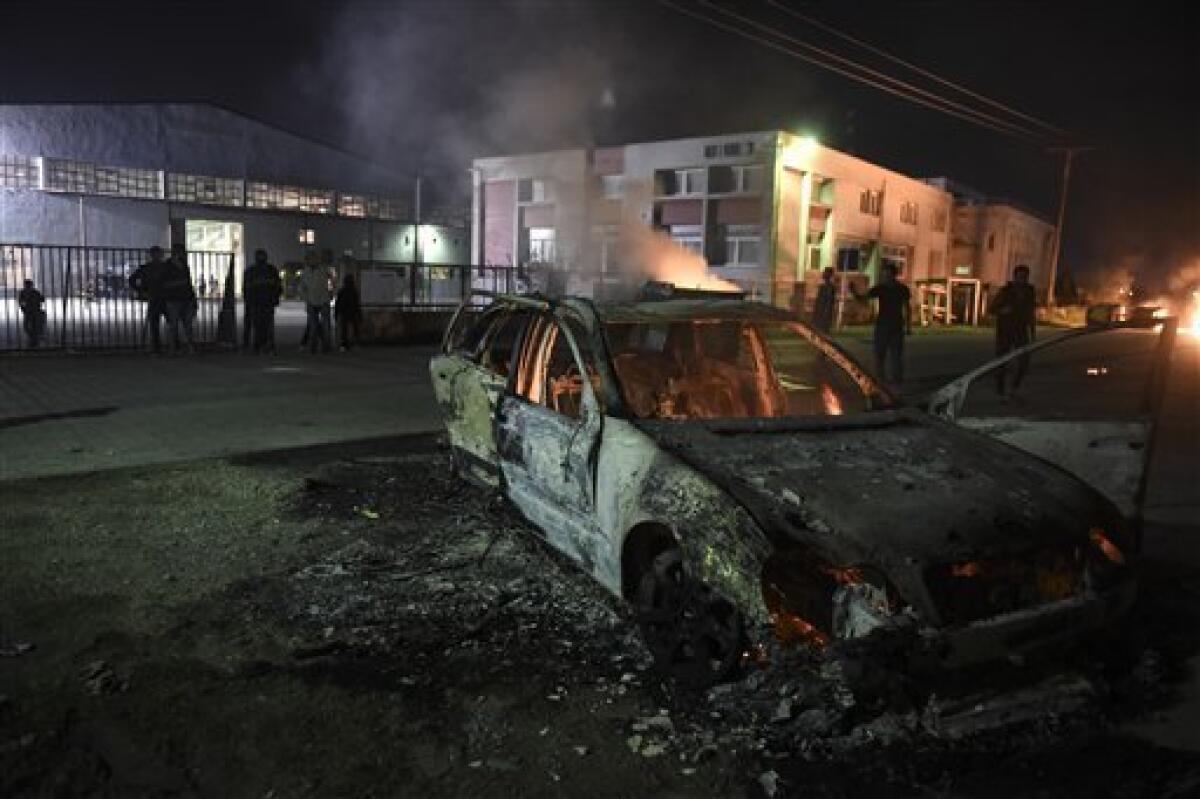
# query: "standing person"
262,290
893,321
1015,308
179,298
348,310
30,301
314,290
825,303
146,282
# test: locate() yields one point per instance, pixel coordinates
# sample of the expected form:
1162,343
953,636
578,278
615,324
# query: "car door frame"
947,403
469,393
548,459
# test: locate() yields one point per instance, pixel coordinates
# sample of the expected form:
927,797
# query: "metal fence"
435,286
88,301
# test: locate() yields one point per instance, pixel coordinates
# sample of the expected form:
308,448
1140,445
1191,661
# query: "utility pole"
1068,155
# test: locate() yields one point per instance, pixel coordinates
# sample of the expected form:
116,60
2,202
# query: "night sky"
427,86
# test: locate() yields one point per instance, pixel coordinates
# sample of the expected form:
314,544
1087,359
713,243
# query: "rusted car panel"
821,511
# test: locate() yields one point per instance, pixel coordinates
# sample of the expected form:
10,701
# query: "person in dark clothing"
30,301
825,302
1015,308
261,292
347,308
146,282
892,322
179,299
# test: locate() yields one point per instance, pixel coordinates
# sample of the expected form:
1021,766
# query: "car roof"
678,310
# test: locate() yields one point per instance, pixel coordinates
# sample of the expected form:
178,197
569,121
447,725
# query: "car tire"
697,637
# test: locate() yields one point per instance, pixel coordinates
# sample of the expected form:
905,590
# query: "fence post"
66,299
227,319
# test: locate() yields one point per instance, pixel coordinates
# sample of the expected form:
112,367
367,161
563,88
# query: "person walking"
30,301
262,289
1015,308
824,304
314,290
893,321
146,282
179,299
347,308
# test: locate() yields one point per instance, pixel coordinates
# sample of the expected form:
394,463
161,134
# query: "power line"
908,64
873,78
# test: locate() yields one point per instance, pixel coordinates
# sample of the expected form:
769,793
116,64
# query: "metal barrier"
88,301
434,286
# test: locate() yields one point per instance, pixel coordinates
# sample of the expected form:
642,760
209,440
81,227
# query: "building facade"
766,210
991,237
136,175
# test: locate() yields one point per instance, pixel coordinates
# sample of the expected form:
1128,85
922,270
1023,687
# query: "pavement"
63,414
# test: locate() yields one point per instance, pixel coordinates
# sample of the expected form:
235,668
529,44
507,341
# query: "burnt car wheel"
696,637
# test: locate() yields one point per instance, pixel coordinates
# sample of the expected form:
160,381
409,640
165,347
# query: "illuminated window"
307,235
352,205
908,213
870,202
204,189
128,182
541,245
270,195
64,175
316,201
19,172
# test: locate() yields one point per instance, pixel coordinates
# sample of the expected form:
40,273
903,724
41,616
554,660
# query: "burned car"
742,482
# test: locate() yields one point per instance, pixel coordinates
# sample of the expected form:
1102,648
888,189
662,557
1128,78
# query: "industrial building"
139,174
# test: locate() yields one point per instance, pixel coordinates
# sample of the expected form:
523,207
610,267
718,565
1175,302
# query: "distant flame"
970,569
833,405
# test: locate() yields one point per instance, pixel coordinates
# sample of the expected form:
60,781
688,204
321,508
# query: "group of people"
1015,309
166,288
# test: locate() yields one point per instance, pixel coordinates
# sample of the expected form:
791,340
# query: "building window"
541,245
908,213
935,263
679,182
896,255
307,236
712,150
64,175
128,182
612,187
991,241
870,202
384,208
316,201
204,189
742,246
534,190
351,205
19,172
735,179
939,220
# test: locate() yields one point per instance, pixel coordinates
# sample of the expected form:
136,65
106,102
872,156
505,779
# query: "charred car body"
741,481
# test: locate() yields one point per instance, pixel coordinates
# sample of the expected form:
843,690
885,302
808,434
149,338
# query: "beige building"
991,237
766,210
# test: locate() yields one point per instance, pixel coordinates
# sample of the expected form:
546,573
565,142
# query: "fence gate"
89,304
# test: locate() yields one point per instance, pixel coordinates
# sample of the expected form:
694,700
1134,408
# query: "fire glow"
661,258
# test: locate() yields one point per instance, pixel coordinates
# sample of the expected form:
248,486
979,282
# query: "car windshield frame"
874,396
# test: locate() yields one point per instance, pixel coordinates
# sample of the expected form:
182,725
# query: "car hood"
895,488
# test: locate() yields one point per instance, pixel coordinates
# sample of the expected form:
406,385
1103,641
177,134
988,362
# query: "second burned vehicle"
739,479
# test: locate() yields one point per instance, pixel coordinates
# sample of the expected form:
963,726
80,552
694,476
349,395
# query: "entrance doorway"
203,235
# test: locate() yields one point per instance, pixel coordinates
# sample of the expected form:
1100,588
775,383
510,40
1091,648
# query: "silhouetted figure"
1015,308
892,322
261,291
314,290
146,282
347,308
825,303
30,301
179,299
